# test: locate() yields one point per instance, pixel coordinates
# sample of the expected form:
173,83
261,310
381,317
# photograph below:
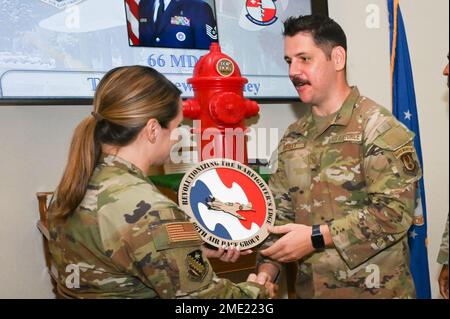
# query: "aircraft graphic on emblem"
230,208
228,202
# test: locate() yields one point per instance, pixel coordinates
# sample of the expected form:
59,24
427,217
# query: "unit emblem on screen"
262,12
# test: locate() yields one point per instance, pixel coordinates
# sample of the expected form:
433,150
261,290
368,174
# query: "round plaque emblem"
228,202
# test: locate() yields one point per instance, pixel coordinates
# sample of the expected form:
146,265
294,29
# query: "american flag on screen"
132,7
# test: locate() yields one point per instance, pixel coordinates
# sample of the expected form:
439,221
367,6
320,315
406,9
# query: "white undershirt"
155,11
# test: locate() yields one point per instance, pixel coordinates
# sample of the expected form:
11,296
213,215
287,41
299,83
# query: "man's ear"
152,130
339,58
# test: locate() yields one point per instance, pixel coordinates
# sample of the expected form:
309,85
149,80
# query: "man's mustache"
297,81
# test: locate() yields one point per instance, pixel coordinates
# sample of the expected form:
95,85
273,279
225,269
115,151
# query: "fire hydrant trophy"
228,202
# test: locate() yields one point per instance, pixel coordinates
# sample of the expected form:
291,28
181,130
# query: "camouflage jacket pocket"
297,167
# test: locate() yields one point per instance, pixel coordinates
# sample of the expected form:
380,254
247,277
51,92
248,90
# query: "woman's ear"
339,58
152,130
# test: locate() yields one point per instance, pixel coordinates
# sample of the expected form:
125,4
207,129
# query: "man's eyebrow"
295,55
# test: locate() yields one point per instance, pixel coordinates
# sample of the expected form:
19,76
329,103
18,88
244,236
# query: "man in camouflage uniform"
443,253
127,240
349,168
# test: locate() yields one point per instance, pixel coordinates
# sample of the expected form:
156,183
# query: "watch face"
228,202
318,241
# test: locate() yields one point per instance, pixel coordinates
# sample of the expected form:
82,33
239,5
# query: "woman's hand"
264,280
230,255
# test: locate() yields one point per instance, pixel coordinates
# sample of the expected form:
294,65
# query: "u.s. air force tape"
229,203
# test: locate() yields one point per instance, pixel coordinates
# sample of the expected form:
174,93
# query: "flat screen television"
56,51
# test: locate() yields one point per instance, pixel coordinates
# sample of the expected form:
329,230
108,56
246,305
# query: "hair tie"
97,116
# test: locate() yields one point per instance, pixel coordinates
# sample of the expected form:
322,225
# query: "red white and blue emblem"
230,204
262,12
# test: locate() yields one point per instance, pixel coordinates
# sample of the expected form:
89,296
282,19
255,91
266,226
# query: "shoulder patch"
197,267
410,165
407,156
171,214
173,235
179,232
394,138
404,150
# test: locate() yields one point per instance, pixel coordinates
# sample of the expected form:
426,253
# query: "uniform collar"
342,117
118,162
156,5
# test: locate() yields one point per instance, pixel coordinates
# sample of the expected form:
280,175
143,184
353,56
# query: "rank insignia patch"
196,266
211,32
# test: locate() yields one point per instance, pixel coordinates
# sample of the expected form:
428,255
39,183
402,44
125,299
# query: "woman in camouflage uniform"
113,234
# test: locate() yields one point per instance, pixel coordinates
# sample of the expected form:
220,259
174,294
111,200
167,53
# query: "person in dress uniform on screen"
188,24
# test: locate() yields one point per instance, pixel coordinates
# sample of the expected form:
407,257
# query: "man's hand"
230,255
264,280
443,282
295,244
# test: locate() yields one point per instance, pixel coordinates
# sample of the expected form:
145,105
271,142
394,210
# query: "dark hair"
125,99
327,34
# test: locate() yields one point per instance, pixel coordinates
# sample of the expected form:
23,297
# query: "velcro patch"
175,235
171,214
386,126
293,146
410,165
180,232
197,267
404,150
394,139
349,137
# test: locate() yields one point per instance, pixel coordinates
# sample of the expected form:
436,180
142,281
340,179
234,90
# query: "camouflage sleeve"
443,252
391,169
279,186
157,244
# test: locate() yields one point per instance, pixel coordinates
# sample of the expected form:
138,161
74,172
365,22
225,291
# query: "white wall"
427,27
33,144
34,139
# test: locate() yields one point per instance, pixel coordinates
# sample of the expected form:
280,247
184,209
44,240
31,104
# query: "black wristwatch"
317,238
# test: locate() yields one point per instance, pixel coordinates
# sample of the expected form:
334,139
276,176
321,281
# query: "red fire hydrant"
220,106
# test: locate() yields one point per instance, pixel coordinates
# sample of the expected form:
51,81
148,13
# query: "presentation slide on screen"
62,48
